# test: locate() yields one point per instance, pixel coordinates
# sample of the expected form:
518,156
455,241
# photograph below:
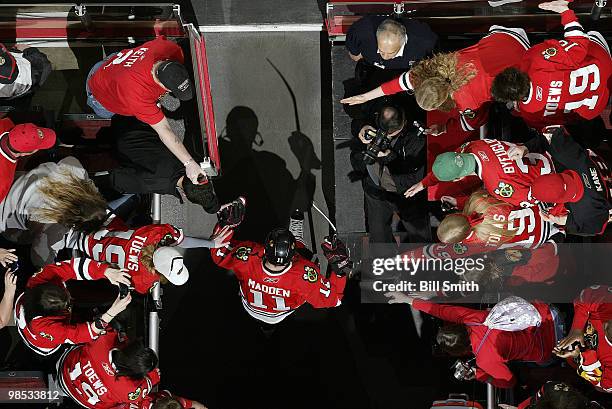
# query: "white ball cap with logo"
169,262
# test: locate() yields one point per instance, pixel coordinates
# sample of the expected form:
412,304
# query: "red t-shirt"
124,84
499,347
8,162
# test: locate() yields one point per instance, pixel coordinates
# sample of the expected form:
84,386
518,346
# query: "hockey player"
460,79
42,312
146,252
504,178
592,331
581,191
275,279
107,372
559,81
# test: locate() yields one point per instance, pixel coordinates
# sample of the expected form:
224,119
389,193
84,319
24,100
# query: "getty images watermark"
431,276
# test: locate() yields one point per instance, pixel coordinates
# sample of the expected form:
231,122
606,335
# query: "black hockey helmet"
279,247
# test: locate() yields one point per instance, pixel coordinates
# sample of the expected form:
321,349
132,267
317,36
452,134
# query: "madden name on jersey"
268,289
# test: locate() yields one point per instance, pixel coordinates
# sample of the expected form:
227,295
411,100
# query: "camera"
463,371
380,142
420,128
124,290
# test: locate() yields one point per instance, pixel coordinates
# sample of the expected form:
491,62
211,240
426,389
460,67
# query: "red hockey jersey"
271,296
500,49
505,179
149,401
120,245
86,373
591,310
531,231
45,335
568,76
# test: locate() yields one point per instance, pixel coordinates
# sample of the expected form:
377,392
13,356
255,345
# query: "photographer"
392,158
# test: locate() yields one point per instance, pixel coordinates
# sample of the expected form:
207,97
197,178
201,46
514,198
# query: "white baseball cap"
169,262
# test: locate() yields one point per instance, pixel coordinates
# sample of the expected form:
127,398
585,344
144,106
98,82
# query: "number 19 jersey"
568,77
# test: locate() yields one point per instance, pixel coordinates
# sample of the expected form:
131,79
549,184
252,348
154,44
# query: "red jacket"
591,310
45,335
493,347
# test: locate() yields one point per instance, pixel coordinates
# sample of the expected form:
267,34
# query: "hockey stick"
324,216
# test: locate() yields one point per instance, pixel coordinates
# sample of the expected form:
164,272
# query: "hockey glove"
232,214
337,256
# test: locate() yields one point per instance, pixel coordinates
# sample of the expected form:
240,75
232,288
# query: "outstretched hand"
355,100
395,297
558,6
221,237
414,189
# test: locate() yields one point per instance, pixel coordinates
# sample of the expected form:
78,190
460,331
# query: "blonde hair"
146,259
456,227
435,80
72,202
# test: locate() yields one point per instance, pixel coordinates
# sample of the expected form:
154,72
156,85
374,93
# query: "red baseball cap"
29,137
8,66
558,187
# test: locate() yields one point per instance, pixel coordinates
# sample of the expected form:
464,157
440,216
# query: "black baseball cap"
8,66
174,76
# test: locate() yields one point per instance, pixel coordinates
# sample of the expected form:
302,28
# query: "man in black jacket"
389,44
392,171
580,191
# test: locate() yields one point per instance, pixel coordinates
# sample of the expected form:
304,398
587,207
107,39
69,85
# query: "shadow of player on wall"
259,175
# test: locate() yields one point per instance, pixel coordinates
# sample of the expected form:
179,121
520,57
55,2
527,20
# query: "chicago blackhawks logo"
135,395
46,336
310,274
549,52
504,189
459,248
468,113
243,253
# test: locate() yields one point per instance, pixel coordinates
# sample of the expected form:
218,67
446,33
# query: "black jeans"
146,164
413,213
